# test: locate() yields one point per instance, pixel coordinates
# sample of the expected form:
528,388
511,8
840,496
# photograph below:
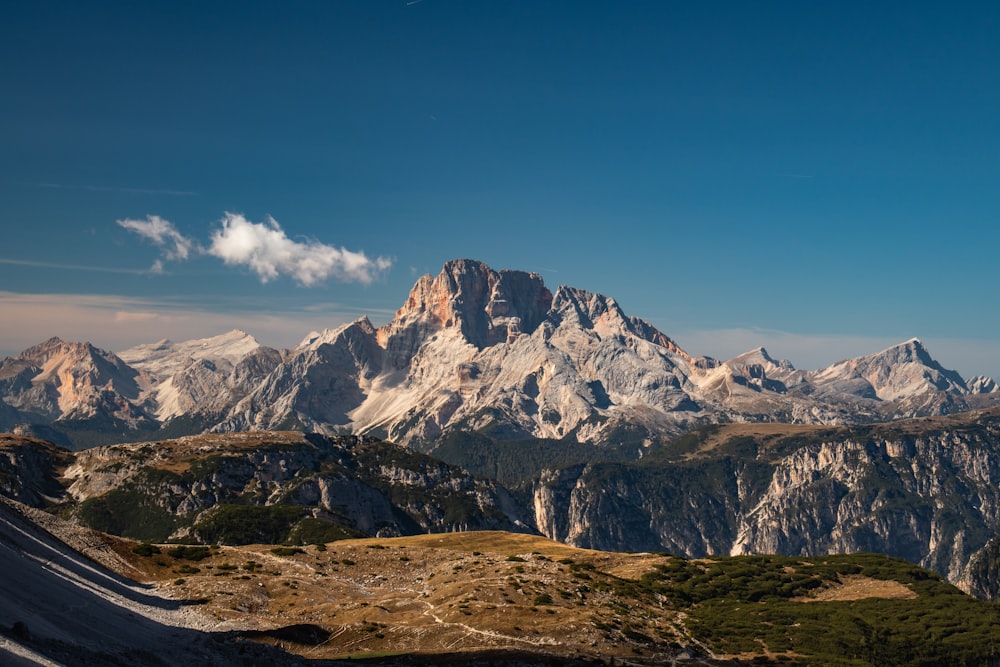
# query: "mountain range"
471,349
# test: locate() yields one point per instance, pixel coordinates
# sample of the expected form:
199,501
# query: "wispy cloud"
113,188
117,322
264,248
71,267
175,246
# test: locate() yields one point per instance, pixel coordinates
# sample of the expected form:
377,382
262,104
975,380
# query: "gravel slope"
58,607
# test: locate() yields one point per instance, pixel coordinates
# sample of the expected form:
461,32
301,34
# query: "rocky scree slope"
58,607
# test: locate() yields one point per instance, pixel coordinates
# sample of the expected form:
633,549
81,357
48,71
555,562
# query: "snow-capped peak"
166,358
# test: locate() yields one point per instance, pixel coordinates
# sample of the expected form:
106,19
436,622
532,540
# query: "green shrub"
543,599
249,524
287,551
188,552
128,512
319,531
739,605
145,549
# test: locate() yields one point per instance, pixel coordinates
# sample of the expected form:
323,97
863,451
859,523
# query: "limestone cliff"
927,491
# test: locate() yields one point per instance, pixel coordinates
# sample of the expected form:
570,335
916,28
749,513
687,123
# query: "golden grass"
439,593
857,587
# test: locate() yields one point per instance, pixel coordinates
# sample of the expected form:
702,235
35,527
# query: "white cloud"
267,251
70,267
162,233
264,248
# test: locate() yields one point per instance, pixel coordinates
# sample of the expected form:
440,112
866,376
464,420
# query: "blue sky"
818,178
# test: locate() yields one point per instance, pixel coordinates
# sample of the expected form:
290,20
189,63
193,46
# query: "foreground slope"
499,598
58,607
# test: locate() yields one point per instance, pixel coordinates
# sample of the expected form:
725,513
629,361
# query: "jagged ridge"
472,348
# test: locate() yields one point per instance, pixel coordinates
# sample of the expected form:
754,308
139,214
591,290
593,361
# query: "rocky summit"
470,349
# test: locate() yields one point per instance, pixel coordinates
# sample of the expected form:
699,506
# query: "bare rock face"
980,384
925,491
315,387
486,306
981,577
895,374
473,347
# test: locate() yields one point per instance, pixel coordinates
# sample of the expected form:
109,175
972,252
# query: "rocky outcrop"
487,307
980,384
981,577
316,387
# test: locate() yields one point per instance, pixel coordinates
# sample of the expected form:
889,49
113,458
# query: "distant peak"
758,353
44,347
910,346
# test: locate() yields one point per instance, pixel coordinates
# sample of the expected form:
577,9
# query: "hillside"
254,487
923,490
459,597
